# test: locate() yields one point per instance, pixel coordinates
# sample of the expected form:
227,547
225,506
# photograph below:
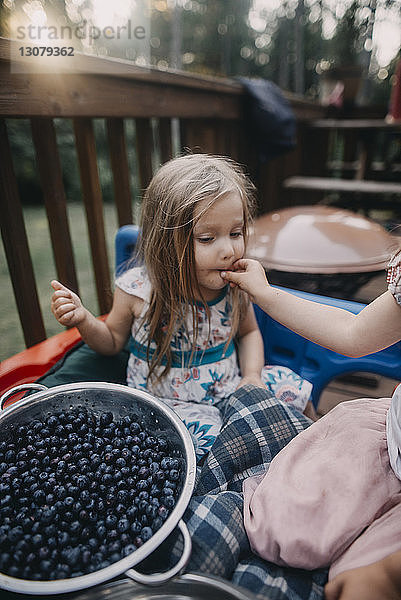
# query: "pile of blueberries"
79,491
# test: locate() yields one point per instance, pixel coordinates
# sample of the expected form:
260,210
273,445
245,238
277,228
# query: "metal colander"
121,401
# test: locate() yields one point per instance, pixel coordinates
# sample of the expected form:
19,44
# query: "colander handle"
160,578
20,388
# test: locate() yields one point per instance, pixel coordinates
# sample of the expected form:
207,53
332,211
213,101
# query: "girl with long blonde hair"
187,328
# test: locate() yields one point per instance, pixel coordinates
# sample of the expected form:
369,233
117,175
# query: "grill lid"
320,239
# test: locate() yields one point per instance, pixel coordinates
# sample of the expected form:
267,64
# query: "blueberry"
132,512
122,496
51,422
101,531
82,482
15,534
135,528
13,571
162,444
120,509
112,535
146,534
151,512
4,489
166,464
123,525
63,538
163,512
43,552
174,475
71,556
48,515
61,492
159,476
110,521
9,456
169,502
170,484
51,543
107,479
127,550
157,523
84,497
75,528
135,428
106,418
37,540
121,462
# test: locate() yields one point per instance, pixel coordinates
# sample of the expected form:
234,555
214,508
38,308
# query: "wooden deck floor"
359,385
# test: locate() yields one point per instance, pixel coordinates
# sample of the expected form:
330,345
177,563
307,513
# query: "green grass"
11,336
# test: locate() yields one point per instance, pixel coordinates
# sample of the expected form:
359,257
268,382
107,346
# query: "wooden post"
119,166
16,248
92,195
51,179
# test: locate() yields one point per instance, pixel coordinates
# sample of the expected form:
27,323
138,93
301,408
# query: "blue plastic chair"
284,347
125,242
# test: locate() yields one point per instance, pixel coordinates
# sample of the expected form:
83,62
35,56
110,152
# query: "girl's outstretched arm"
105,337
377,326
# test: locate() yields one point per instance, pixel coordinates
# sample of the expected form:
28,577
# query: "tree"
212,35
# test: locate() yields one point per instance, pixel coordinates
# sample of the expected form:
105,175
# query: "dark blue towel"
269,117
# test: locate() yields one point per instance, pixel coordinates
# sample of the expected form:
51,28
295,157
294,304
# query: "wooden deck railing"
210,114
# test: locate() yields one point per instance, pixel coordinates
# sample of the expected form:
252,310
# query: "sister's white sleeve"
394,276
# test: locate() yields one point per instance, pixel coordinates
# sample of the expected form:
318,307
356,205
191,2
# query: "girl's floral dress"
197,391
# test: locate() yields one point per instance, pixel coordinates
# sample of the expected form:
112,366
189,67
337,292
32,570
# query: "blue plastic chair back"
284,347
125,242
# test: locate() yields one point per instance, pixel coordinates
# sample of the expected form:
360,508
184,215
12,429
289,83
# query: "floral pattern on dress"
203,423
287,386
194,391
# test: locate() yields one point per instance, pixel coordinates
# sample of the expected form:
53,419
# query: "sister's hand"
248,275
370,583
66,306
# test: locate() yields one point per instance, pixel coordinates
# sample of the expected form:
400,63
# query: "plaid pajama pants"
256,427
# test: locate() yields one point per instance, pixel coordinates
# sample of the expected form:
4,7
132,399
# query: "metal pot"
120,400
190,586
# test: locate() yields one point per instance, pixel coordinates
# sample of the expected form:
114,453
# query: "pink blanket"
330,497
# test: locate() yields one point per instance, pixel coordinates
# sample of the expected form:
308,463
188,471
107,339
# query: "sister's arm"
106,337
378,580
250,349
377,326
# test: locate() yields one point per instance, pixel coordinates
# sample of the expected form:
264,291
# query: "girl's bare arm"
377,326
250,350
106,337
